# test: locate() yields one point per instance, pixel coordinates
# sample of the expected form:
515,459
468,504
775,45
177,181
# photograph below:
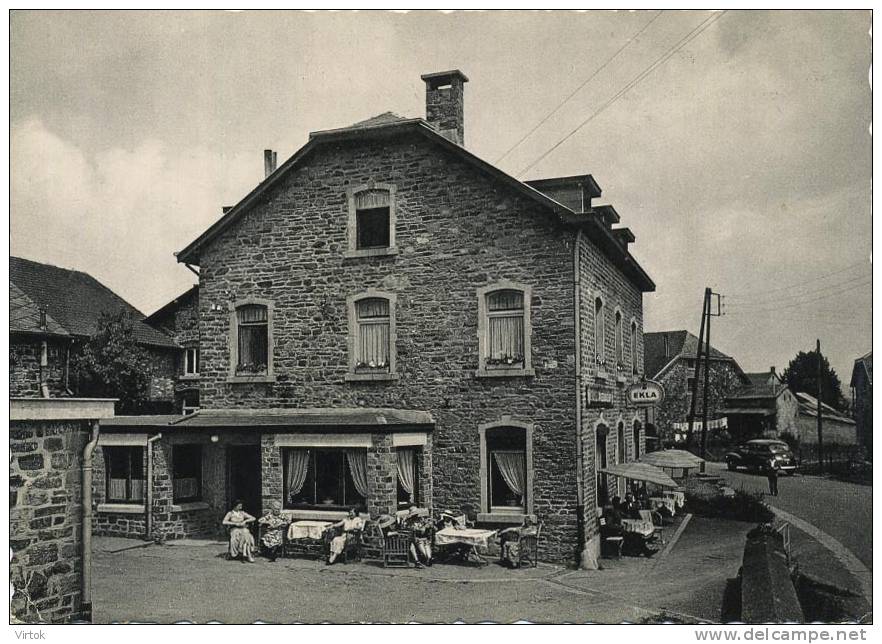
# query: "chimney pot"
269,162
444,103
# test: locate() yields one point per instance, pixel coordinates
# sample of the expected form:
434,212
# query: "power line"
784,298
697,31
816,299
579,88
803,283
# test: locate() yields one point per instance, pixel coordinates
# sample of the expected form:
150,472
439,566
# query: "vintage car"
762,454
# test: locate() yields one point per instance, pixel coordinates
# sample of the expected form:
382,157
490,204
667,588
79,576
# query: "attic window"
371,226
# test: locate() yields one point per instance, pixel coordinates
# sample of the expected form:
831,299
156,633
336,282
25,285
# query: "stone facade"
724,379
45,514
180,320
862,394
26,368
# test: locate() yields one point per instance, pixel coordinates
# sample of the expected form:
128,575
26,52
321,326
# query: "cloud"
120,214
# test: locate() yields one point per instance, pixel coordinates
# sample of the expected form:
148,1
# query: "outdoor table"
472,537
641,527
679,497
307,530
664,502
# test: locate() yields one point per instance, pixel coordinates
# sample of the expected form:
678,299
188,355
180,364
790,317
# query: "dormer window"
371,220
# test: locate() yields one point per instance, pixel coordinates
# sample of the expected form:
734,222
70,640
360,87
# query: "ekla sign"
645,394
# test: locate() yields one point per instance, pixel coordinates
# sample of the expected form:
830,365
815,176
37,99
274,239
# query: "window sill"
370,252
257,378
189,376
505,373
502,518
601,375
190,506
621,379
121,508
315,515
371,377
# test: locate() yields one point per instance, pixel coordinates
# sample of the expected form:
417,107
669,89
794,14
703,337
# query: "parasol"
641,472
672,458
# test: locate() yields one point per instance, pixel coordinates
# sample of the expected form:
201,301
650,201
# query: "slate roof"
681,344
758,388
74,301
24,315
380,119
808,405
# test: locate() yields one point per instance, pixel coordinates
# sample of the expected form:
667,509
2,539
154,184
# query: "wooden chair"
373,542
610,546
396,550
529,547
657,530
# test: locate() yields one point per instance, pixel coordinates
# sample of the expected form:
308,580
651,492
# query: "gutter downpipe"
586,560
149,483
86,589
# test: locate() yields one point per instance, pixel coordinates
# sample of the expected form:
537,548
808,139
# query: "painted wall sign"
598,399
646,393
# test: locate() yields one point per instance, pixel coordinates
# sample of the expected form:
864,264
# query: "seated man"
630,509
420,527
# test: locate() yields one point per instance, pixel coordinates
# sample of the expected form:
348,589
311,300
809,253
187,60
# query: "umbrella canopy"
672,458
641,472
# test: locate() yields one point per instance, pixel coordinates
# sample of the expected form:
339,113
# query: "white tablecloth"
679,497
663,501
638,525
468,536
307,529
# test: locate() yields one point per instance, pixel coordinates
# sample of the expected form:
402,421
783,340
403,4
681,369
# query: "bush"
742,506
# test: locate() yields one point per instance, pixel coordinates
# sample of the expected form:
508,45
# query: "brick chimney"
444,103
269,162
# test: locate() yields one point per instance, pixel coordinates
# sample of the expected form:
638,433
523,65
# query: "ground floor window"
124,470
326,479
507,469
408,476
187,473
600,464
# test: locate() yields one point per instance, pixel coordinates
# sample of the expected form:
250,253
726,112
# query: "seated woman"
273,534
241,540
630,508
510,542
350,527
421,541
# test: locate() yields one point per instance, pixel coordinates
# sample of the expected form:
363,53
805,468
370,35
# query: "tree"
802,375
112,365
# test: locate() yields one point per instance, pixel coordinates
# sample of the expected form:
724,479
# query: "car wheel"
731,465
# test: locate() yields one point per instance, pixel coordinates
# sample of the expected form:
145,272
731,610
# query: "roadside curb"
848,560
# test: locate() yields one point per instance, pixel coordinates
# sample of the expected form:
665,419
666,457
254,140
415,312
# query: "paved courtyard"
192,581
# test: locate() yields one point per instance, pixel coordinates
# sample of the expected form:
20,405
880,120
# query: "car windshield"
778,448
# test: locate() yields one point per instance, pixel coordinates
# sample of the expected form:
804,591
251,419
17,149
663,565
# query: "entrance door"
243,471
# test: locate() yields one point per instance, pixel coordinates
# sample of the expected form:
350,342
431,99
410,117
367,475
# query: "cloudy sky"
742,161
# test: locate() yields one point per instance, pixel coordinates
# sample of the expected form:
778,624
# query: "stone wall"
724,380
164,368
25,372
45,517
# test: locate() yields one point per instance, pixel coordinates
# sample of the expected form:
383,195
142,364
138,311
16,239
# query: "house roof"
808,406
680,344
389,124
75,300
24,315
165,309
758,387
866,363
326,418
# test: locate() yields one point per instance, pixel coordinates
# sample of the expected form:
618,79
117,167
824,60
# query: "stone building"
862,395
670,361
765,408
838,430
53,311
388,319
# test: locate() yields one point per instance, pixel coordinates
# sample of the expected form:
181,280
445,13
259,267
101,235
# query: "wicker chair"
396,550
352,547
529,547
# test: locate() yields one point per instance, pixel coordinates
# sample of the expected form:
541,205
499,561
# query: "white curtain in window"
513,467
373,332
371,199
117,490
297,464
507,337
406,469
185,488
357,459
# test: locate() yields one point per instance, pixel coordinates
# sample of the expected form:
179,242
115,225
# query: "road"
842,510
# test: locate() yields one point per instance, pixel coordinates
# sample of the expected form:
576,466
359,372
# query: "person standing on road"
772,475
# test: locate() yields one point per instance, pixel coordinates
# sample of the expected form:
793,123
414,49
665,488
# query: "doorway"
244,475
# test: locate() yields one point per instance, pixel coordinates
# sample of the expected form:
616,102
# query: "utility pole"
704,310
820,413
708,294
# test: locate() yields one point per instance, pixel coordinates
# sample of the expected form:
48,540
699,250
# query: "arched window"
504,330
620,347
632,347
251,328
599,353
636,430
506,468
371,336
620,443
600,463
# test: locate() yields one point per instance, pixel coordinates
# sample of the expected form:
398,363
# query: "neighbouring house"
179,319
670,360
764,408
837,428
388,319
862,395
53,311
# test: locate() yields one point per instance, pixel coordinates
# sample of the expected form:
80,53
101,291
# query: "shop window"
324,479
504,330
251,344
408,476
124,471
506,466
186,473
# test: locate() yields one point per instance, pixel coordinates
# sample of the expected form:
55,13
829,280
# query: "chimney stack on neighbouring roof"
269,162
444,103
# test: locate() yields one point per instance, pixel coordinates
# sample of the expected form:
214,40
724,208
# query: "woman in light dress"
273,534
351,526
241,539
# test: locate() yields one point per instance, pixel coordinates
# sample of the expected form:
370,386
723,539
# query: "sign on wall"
645,394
